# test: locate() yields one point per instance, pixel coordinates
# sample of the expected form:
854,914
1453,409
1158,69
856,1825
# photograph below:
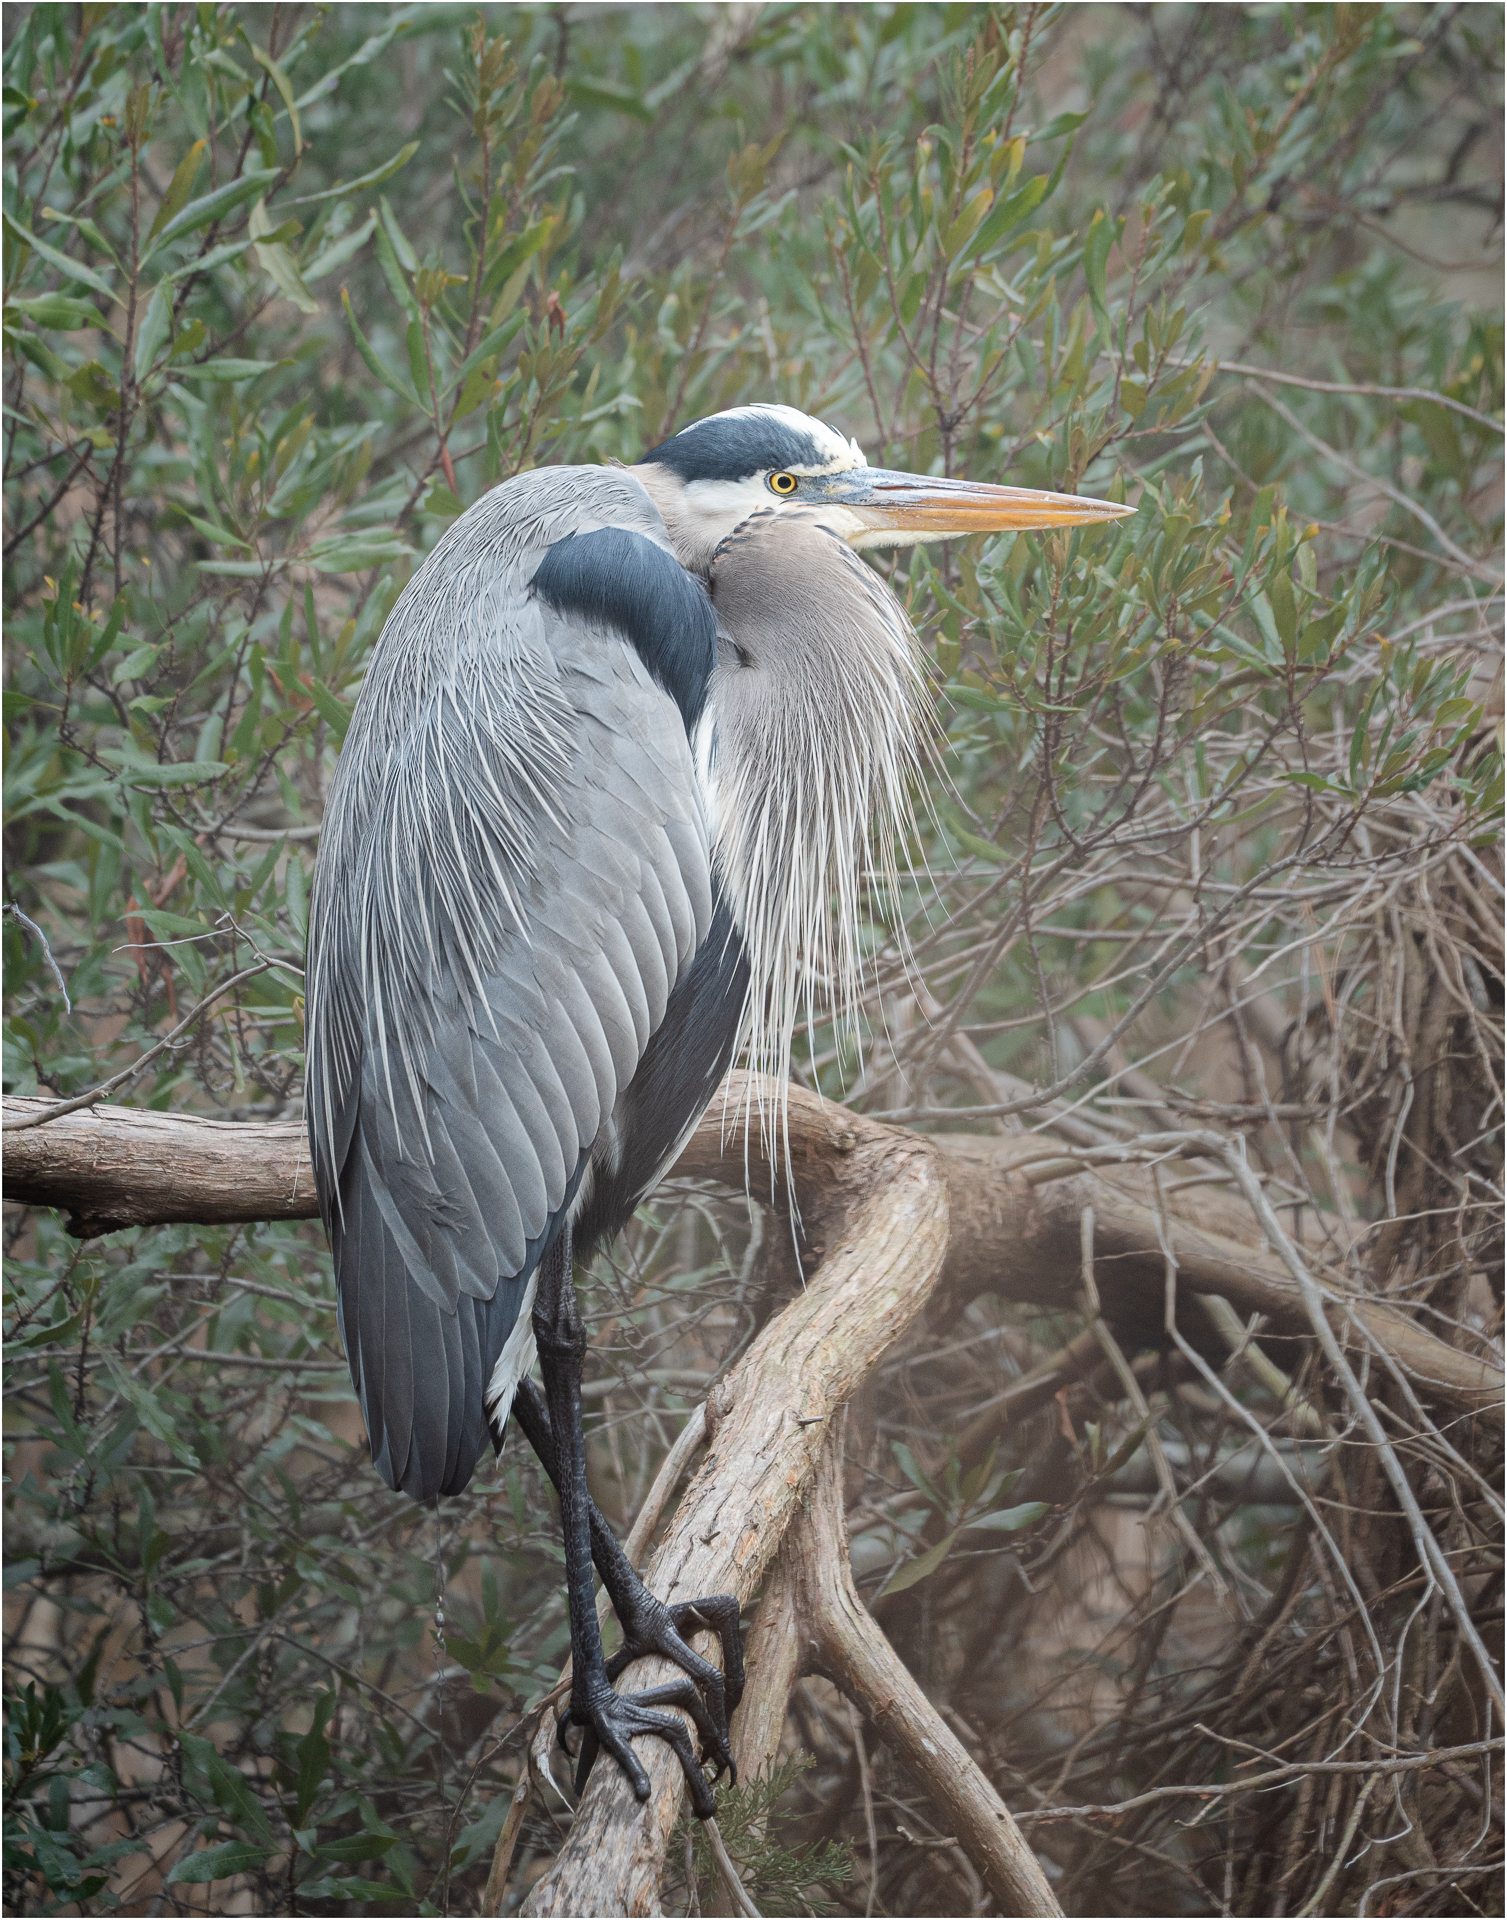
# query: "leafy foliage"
285,290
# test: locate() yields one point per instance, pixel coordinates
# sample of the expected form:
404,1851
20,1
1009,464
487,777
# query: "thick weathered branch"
1014,1232
883,1207
112,1167
892,1218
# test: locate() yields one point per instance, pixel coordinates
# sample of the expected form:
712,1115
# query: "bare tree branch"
1015,1218
848,1646
881,1202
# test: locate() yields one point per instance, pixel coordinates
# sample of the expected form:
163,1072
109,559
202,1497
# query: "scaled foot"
651,1626
610,1720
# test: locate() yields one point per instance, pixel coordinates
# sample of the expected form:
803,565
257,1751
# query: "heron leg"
650,1625
609,1719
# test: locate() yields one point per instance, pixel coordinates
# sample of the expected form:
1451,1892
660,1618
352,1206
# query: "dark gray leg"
608,1719
649,1625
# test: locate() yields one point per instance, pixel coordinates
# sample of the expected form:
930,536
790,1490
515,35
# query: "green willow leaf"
339,251
280,81
70,269
614,99
56,312
917,1570
152,1415
227,369
374,365
345,188
179,188
213,206
358,1846
334,710
155,325
277,263
217,1863
1009,1519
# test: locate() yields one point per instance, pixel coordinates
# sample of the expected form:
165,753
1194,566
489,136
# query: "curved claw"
653,1627
674,1693
610,1720
710,1713
684,1694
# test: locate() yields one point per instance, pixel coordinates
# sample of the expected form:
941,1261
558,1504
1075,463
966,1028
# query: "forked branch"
885,1221
895,1220
827,1628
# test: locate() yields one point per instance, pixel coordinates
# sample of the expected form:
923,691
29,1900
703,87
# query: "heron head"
712,475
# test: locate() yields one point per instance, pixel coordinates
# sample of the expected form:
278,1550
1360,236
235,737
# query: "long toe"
612,1720
721,1613
652,1627
682,1693
670,1645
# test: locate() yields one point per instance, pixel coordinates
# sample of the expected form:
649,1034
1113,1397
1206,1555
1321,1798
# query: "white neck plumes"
810,751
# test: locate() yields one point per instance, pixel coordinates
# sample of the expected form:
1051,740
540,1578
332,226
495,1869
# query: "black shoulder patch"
732,446
623,580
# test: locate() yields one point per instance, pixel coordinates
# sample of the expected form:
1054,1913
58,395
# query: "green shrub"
286,289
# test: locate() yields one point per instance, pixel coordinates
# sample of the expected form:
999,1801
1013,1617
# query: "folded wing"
513,879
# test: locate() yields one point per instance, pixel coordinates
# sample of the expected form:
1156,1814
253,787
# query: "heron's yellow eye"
783,483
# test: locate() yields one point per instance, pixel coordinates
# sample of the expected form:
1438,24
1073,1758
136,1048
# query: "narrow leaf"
157,1421
217,1863
214,206
1008,1519
49,1335
277,263
216,257
313,1757
72,269
233,1793
615,99
357,1846
335,712
377,175
398,22
56,312
227,369
156,323
216,534
358,550
1096,248
179,188
407,259
280,81
915,1571
339,251
373,365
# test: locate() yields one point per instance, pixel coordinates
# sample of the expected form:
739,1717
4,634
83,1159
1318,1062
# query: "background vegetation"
286,287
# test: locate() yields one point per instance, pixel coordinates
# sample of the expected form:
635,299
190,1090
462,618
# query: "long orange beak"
900,509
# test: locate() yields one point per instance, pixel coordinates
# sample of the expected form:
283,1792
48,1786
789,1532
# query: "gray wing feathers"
509,888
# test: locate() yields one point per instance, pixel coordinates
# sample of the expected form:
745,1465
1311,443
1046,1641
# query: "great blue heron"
627,745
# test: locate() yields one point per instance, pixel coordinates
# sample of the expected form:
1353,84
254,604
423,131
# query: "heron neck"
694,540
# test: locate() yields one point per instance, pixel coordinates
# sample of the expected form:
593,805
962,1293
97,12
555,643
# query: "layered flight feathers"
513,877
